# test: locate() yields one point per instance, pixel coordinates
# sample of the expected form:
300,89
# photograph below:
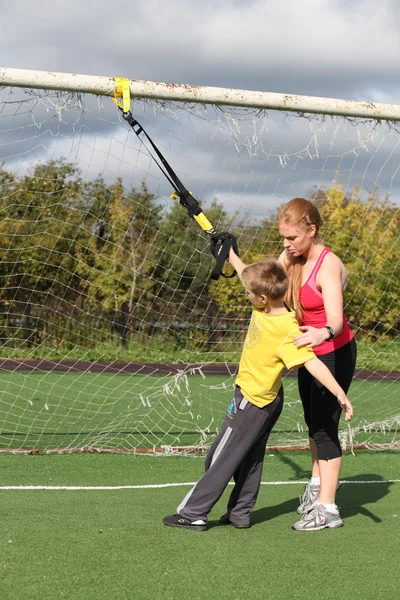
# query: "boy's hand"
235,261
232,255
345,404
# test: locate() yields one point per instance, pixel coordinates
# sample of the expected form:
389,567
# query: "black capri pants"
321,408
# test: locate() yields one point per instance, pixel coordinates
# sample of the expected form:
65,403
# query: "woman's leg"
325,417
305,384
329,471
322,512
322,415
314,459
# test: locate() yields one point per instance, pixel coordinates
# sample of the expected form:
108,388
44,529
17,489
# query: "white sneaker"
308,499
318,518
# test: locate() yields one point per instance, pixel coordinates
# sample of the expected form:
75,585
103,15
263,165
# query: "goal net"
112,335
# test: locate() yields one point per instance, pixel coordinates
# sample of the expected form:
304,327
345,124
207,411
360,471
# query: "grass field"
51,410
91,543
89,526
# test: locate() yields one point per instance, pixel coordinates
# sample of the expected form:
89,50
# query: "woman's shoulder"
332,267
331,259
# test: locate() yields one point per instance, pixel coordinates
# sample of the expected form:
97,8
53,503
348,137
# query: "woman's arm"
329,279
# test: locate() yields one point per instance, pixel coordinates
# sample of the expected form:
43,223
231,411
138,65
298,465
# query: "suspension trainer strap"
220,242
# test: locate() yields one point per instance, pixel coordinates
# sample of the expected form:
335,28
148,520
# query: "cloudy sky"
339,48
333,48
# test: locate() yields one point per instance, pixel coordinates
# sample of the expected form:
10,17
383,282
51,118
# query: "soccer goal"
113,335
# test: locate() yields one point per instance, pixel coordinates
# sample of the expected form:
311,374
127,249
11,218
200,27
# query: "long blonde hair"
303,214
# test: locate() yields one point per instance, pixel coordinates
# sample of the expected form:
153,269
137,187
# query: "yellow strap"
201,218
203,222
175,196
122,90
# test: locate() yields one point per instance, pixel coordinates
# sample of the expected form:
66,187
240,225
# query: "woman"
317,278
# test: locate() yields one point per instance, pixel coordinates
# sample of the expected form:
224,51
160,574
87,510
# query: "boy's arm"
236,262
321,372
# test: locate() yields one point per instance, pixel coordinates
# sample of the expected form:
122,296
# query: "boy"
239,449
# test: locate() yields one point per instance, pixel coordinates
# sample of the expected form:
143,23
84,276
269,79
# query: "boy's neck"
276,307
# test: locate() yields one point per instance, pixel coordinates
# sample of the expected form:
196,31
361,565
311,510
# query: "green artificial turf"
111,544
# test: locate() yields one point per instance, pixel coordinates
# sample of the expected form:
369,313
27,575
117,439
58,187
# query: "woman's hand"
311,336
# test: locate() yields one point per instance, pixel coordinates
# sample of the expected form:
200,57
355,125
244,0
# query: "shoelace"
318,512
306,497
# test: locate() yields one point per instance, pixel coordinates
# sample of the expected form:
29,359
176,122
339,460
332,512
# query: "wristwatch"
331,333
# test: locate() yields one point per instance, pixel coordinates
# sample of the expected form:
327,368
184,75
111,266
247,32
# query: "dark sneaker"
318,518
225,520
308,499
178,521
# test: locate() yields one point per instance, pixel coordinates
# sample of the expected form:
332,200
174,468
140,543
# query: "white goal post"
112,336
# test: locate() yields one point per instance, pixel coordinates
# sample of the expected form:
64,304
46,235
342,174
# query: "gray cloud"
315,47
331,48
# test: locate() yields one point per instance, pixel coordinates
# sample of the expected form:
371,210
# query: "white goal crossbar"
194,93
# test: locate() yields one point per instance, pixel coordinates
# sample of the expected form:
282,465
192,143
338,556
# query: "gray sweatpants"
238,451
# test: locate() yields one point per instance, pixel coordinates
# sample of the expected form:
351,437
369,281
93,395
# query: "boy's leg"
242,425
210,453
197,524
247,484
248,475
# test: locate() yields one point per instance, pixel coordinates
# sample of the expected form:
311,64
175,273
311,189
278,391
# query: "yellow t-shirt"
268,348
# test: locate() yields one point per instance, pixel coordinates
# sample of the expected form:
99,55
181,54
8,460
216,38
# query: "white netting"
105,280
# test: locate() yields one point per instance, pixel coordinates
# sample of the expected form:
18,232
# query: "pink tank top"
314,311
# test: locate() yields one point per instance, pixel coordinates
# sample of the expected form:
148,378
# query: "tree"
119,251
181,275
365,234
37,235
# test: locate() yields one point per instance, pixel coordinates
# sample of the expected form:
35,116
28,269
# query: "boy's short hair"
266,277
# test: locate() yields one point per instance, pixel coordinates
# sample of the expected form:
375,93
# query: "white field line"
162,485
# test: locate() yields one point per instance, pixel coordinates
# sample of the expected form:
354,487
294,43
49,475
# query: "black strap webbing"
220,242
185,197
